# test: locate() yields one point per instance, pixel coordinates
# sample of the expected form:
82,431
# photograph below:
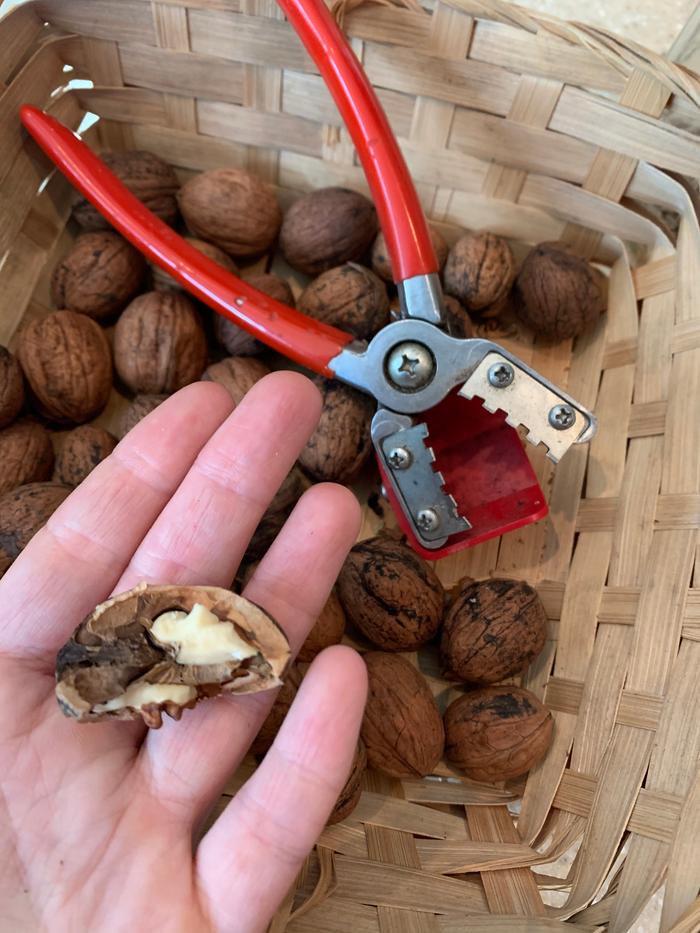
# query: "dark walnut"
162,281
234,339
161,649
402,728
480,270
67,361
11,387
159,343
80,452
349,796
328,630
391,594
232,209
26,455
561,295
326,228
493,630
99,276
349,297
237,374
273,722
341,443
457,319
23,511
278,511
138,408
381,261
497,733
147,176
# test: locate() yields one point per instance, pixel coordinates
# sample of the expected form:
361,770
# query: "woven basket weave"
537,130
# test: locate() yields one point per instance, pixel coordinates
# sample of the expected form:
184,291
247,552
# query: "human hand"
97,821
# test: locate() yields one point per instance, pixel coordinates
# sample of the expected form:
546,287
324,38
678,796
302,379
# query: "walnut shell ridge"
23,512
138,408
480,270
11,387
26,454
349,297
80,451
237,374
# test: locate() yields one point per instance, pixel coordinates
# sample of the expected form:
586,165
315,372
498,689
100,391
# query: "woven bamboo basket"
537,130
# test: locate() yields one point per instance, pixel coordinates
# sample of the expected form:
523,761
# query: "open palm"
97,821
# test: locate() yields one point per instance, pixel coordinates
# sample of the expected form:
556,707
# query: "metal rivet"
410,365
399,458
500,375
562,417
428,520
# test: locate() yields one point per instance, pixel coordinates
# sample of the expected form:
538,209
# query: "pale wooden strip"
239,38
407,817
655,277
453,858
620,353
654,351
521,222
686,336
681,469
501,924
690,921
647,419
18,275
102,62
166,69
606,462
20,28
637,512
673,512
635,709
389,24
124,104
688,287
303,173
337,915
189,150
467,792
346,839
246,125
443,167
172,33
232,6
125,21
406,888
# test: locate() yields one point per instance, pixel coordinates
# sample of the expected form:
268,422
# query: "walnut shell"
561,294
381,261
402,727
238,374
99,276
80,452
341,443
328,630
162,281
457,320
23,512
349,297
326,228
67,361
493,630
234,339
391,594
480,270
26,454
497,733
139,407
11,387
159,343
233,209
273,722
349,796
115,646
147,176
278,511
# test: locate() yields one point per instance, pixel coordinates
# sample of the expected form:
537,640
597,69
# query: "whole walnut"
381,261
26,454
272,724
349,297
11,387
159,343
391,594
341,443
278,511
349,796
162,281
561,294
147,176
238,374
138,408
497,733
493,630
23,511
99,276
457,320
233,209
234,339
328,630
80,452
67,361
480,270
402,727
326,228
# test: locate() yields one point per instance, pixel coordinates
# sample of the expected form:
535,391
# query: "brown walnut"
278,511
147,176
232,209
561,294
457,320
67,361
23,512
341,443
381,261
328,630
273,722
480,270
162,281
99,276
349,796
497,733
138,408
326,228
493,630
391,594
80,452
234,339
119,648
402,728
26,454
237,374
159,343
349,297
11,387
